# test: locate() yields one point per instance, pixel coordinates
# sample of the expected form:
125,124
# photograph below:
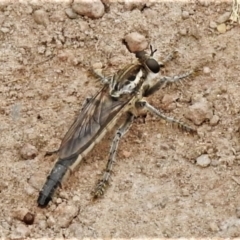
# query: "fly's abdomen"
53,181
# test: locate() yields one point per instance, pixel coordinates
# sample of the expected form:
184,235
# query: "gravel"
199,112
203,161
92,9
47,50
136,42
41,17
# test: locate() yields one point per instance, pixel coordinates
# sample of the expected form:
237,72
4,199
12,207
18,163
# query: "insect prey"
122,95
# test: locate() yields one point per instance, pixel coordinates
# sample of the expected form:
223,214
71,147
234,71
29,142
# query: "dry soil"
157,189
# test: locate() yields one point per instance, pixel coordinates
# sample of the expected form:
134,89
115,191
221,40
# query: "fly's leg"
163,81
179,124
169,58
101,186
104,80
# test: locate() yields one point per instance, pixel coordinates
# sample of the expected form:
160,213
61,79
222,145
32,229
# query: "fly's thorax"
134,78
127,81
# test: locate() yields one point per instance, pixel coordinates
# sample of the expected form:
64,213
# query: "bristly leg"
163,81
102,184
179,124
169,57
104,80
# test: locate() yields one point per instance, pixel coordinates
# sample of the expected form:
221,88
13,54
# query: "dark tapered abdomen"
54,180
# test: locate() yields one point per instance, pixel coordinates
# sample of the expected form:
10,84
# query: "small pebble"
70,13
92,9
41,17
169,98
224,17
63,195
206,70
51,221
48,53
28,218
204,3
76,199
192,11
5,30
136,42
158,164
199,111
149,206
58,16
203,161
42,224
36,181
213,25
126,154
97,65
75,61
214,120
213,227
28,151
28,9
194,32
214,163
183,31
130,5
222,28
185,192
41,49
185,14
58,200
65,214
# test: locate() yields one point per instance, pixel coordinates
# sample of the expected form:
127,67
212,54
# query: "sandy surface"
157,189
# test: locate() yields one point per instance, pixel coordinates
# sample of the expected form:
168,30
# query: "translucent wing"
97,113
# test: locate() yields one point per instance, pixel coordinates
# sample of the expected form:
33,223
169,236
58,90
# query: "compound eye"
153,65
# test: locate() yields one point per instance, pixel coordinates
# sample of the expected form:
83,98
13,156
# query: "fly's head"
148,62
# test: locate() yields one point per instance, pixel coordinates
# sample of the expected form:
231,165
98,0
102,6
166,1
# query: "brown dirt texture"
158,188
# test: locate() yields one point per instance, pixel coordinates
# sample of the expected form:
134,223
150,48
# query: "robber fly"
122,94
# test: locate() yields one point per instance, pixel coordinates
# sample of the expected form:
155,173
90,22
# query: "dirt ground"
158,188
